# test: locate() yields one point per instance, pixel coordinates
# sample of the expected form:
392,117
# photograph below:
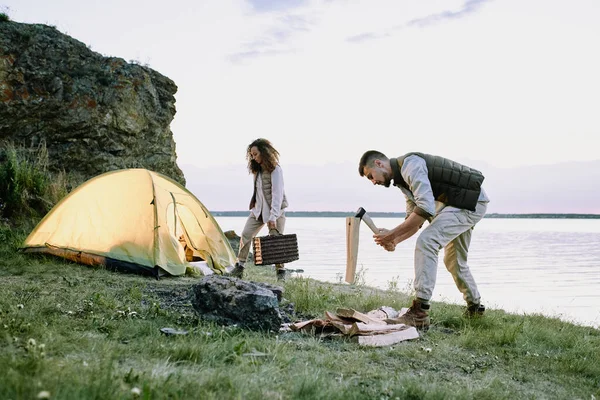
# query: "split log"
358,328
389,338
314,325
358,316
352,235
384,312
296,326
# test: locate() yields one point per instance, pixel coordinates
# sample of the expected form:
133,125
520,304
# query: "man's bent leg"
445,227
456,255
455,259
426,259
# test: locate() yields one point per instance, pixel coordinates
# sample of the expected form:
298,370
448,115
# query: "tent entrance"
181,223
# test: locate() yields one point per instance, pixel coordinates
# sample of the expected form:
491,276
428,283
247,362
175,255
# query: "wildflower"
44,394
42,346
31,342
136,391
20,306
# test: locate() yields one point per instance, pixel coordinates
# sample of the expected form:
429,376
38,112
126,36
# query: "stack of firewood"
369,329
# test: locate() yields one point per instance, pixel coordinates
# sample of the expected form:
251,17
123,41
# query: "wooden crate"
276,249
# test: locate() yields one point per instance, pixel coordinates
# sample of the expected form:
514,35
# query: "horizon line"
402,214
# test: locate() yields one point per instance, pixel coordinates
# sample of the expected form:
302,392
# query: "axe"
362,214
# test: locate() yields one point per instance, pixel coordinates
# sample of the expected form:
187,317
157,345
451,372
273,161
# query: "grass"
28,190
81,333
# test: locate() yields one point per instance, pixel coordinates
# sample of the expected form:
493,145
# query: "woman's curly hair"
270,156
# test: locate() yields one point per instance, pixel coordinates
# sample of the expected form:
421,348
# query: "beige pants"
251,229
451,229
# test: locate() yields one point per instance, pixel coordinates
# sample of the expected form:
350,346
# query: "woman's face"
256,154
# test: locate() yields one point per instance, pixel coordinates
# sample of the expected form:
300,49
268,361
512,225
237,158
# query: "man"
448,195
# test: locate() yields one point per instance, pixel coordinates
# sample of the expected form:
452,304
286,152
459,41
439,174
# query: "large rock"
230,301
94,113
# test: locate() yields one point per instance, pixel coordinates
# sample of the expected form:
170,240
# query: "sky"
506,83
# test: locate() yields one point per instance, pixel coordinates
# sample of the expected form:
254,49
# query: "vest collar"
396,175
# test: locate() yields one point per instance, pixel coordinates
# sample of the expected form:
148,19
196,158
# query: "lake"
547,266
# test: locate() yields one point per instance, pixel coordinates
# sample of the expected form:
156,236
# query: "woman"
268,201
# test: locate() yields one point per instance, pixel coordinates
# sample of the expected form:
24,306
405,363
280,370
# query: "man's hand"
389,247
385,238
271,225
388,239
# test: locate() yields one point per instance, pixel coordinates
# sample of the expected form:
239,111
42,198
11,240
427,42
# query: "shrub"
27,189
4,17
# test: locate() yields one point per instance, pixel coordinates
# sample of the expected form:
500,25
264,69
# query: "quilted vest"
452,183
266,185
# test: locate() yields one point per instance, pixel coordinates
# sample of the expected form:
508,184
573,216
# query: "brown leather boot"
474,310
416,316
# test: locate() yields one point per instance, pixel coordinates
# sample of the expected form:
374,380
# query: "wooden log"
389,338
358,328
352,235
358,316
343,328
383,313
334,317
314,325
296,326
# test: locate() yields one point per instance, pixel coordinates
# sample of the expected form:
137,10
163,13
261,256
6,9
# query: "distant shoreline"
339,214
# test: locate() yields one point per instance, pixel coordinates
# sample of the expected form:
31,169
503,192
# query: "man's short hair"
368,159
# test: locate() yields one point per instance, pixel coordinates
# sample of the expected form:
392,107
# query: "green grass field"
73,332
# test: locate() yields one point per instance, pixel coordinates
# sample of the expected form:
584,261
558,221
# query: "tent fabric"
134,217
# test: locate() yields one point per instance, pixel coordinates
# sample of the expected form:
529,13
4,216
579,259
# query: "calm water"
548,266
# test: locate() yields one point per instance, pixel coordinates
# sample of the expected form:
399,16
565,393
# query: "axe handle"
370,223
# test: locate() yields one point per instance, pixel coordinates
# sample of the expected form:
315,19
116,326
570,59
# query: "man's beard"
388,181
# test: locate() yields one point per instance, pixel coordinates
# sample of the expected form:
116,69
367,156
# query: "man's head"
375,166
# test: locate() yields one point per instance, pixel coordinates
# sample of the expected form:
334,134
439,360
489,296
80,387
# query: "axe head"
360,212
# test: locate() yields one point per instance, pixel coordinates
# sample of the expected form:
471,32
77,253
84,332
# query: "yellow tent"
133,220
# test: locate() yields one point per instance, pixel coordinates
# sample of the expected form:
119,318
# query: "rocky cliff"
94,113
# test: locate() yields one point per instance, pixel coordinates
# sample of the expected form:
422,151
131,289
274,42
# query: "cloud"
365,36
275,39
469,7
239,58
279,30
275,5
